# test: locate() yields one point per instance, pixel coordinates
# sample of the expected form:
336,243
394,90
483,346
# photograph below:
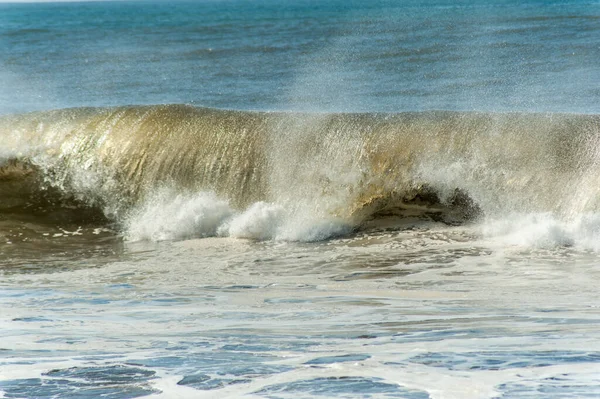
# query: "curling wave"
174,171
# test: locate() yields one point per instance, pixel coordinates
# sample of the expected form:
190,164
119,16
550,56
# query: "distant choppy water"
309,55
173,251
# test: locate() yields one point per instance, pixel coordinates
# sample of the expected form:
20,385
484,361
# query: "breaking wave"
175,172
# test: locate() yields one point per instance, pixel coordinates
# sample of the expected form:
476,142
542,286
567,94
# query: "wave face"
174,171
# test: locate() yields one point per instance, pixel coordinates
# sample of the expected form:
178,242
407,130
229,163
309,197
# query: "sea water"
300,199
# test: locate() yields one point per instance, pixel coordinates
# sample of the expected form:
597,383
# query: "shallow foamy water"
422,311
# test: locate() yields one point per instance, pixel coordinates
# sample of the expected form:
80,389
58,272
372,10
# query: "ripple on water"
504,360
339,387
338,359
207,383
559,386
112,382
205,362
232,375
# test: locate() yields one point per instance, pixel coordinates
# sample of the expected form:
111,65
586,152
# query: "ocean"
300,199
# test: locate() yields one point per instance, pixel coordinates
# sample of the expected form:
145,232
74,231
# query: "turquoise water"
183,252
325,56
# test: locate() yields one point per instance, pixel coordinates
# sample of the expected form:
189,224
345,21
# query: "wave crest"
297,175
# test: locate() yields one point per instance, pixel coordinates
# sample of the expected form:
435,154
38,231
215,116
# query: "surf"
293,175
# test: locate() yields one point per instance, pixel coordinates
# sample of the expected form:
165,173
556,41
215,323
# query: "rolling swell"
135,161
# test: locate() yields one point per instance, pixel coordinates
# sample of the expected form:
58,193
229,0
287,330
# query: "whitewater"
266,200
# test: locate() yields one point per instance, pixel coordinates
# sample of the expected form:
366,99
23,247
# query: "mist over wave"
174,172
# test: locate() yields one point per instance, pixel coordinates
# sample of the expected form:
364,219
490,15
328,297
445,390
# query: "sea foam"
168,215
545,230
